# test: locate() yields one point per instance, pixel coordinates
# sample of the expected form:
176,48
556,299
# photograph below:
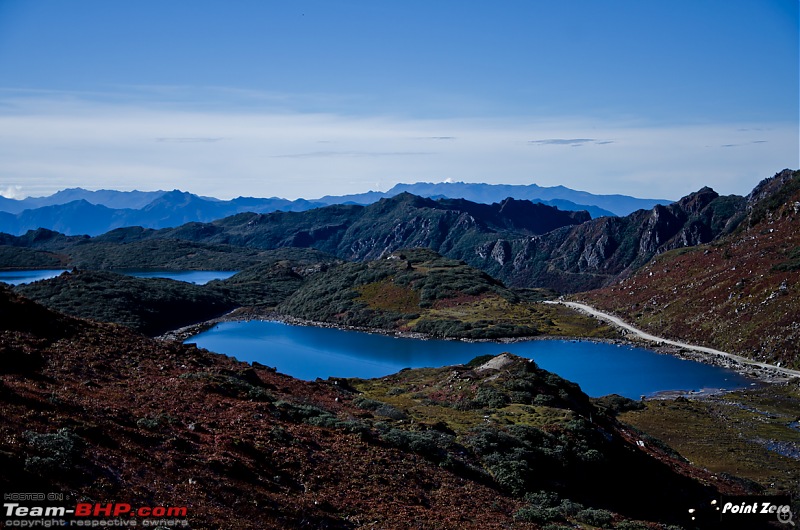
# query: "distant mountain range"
96,212
77,211
559,196
522,243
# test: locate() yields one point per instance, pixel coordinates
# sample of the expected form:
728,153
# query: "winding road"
616,321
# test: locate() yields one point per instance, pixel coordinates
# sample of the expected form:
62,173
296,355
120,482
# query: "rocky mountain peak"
694,202
774,197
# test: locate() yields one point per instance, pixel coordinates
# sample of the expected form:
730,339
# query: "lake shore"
754,369
759,372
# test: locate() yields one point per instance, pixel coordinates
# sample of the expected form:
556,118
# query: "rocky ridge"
739,294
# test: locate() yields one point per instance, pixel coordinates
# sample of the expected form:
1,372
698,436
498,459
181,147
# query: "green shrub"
58,451
545,400
390,412
631,525
328,421
429,444
149,424
521,397
570,508
380,408
231,385
536,514
486,441
301,412
595,517
366,403
543,499
359,427
490,397
511,474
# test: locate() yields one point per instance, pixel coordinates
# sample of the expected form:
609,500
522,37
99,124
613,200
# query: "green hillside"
418,290
151,306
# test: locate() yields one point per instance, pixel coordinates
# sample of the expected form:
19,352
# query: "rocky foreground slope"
105,415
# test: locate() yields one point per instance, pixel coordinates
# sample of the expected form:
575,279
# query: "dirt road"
659,340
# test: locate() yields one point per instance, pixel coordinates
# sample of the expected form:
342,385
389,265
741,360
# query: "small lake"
196,277
599,368
28,276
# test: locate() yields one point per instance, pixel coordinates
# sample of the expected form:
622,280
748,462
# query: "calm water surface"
308,352
28,276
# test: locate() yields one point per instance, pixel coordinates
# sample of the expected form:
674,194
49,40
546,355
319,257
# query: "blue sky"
302,99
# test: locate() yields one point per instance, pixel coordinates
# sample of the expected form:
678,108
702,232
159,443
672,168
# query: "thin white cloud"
190,140
370,154
53,141
12,192
563,141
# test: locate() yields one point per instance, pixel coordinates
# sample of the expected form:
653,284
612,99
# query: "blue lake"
600,368
28,276
196,277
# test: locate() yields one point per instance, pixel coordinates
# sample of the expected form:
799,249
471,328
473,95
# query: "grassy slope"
749,434
151,306
420,291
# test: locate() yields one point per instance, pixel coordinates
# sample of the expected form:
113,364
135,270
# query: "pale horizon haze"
310,98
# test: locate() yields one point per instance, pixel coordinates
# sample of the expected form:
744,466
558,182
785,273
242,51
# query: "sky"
309,98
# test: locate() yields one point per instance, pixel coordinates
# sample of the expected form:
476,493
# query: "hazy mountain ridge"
552,195
108,198
76,211
563,251
166,209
